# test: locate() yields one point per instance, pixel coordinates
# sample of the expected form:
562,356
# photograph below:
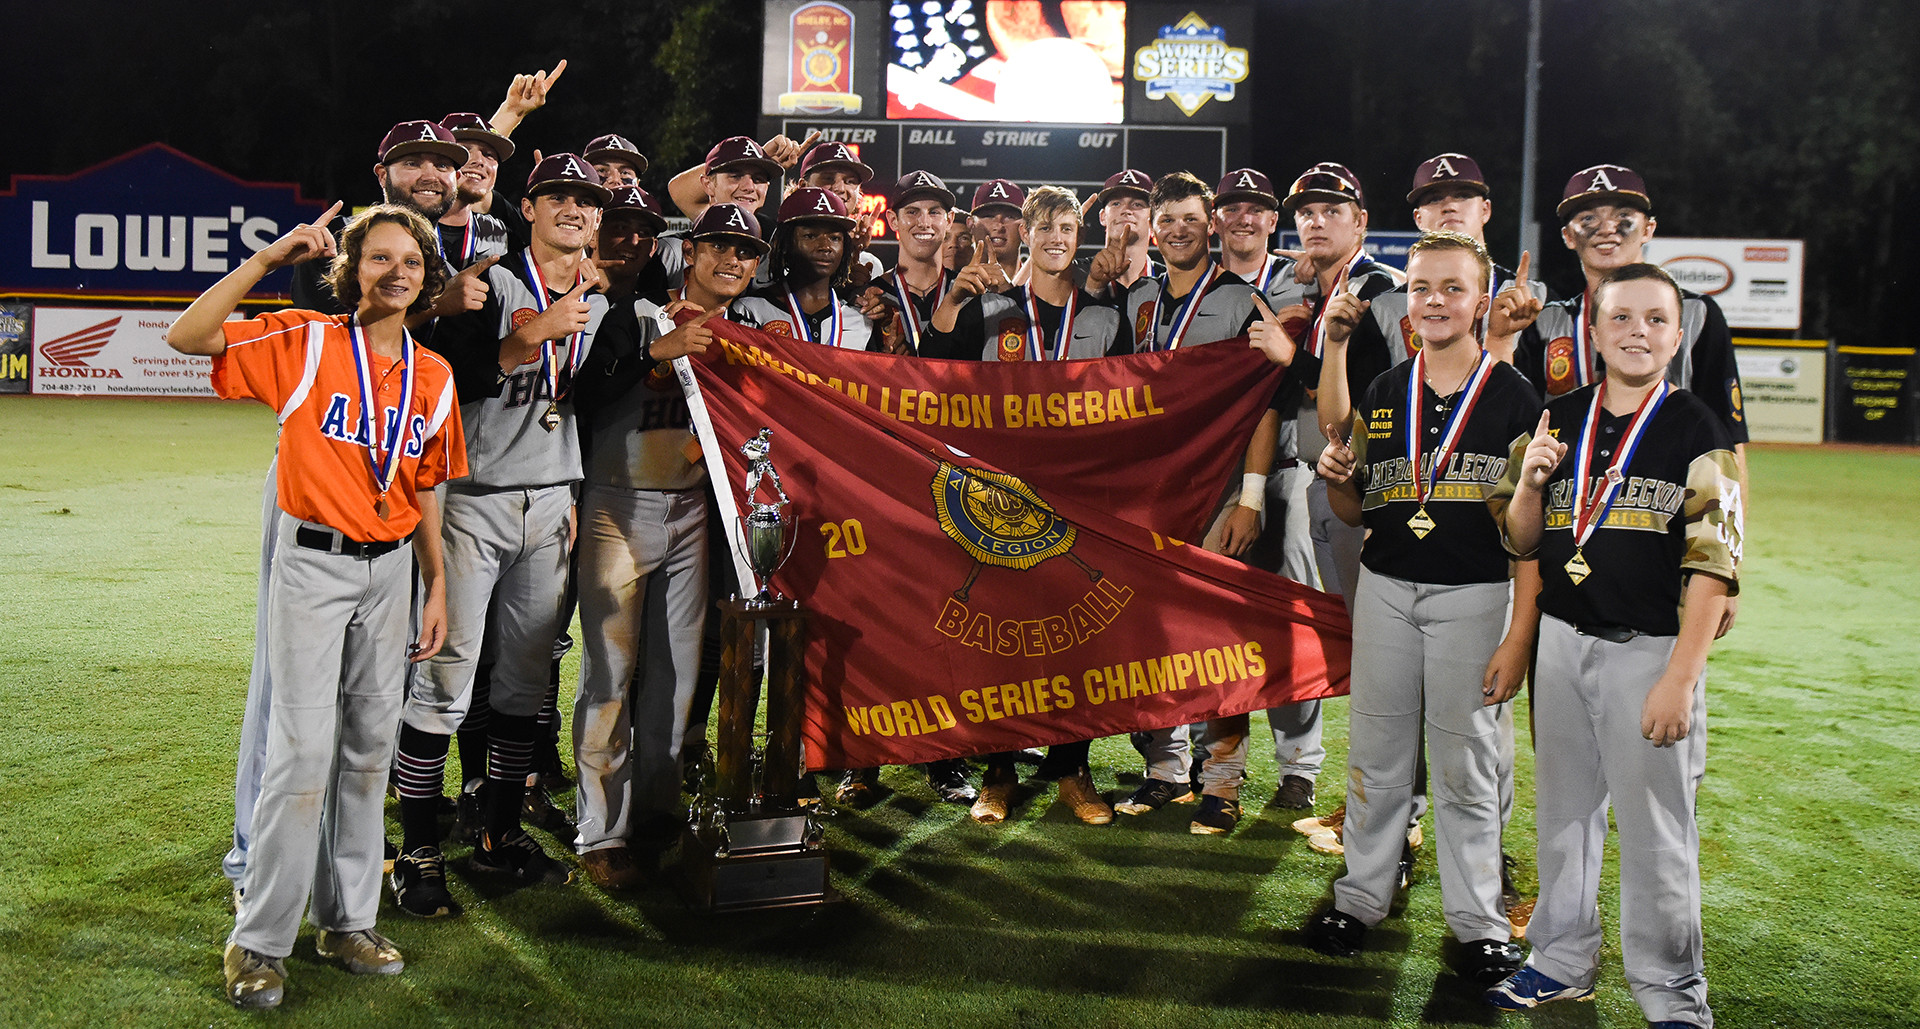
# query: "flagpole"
1530,146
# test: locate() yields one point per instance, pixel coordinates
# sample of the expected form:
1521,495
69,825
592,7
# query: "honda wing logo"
67,356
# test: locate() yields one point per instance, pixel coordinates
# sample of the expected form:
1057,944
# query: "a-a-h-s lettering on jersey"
300,363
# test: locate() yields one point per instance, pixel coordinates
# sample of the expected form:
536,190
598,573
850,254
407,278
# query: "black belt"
337,543
1610,633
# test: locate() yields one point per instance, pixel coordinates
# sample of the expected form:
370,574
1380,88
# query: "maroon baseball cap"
633,198
998,193
1325,182
420,137
468,127
567,171
1129,183
738,151
610,147
1243,184
813,204
921,185
835,155
728,221
1603,184
1447,170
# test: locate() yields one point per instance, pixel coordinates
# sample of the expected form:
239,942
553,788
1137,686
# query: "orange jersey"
300,363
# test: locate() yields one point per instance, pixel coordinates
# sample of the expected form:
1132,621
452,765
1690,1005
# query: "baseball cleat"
1217,816
1153,795
1529,988
419,883
1336,934
253,979
1489,962
517,855
1295,793
363,951
1078,792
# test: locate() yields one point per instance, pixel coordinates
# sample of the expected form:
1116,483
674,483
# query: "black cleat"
419,883
1336,934
517,855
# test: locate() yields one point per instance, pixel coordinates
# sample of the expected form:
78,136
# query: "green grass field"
129,576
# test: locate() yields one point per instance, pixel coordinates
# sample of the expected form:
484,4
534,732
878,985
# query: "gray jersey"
509,444
769,312
994,326
639,436
1225,311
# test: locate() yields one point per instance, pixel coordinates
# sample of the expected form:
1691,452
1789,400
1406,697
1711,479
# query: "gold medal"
1421,523
382,509
551,420
1578,568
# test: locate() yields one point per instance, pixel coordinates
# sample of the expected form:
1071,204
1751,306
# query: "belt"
1610,633
315,538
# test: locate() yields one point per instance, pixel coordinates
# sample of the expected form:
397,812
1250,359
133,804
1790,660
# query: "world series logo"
1190,63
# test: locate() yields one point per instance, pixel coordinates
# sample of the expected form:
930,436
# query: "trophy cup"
746,848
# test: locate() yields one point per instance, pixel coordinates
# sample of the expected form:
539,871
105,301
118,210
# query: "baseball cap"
567,171
1603,184
735,151
998,193
1325,182
1442,170
1129,183
1244,184
469,127
614,148
921,185
835,155
813,204
633,198
420,137
728,221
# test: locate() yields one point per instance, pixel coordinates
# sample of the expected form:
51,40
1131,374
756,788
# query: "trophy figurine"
766,527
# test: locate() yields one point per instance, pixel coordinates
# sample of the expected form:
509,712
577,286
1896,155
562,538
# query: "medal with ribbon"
1265,277
1590,511
803,329
909,313
382,459
1062,336
549,366
1450,431
1183,318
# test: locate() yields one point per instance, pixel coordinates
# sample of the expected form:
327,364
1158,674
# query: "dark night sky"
1747,117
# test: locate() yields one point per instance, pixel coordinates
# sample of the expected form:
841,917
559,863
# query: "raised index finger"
1266,313
554,75
322,221
1546,420
709,313
1521,273
812,138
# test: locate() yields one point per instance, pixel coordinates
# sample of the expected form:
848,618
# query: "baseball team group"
480,432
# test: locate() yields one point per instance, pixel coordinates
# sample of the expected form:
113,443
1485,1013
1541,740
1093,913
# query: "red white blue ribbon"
803,329
1589,511
576,343
1037,337
1189,310
910,315
1450,430
382,459
1340,283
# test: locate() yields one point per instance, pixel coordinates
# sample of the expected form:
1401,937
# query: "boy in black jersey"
1629,494
1431,440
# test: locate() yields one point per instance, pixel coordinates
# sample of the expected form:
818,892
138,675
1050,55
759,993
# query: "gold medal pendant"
1578,568
382,509
1421,523
551,420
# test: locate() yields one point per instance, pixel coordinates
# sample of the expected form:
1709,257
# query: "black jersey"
1678,512
1462,543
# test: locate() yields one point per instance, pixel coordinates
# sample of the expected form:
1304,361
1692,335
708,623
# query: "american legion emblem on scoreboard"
820,62
1190,63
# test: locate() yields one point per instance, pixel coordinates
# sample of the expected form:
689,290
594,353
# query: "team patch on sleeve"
778,328
522,316
1142,321
1407,333
1559,366
1733,400
1012,340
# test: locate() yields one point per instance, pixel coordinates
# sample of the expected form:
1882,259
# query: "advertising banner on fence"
1783,385
16,342
1756,282
1876,394
98,351
976,544
150,223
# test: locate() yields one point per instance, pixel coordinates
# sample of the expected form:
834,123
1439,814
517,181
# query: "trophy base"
767,865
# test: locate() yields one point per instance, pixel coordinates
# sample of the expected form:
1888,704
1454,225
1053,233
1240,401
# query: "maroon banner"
990,583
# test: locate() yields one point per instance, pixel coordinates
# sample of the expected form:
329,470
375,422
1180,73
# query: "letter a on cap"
1245,181
1600,181
820,204
1443,165
573,169
426,131
998,190
734,220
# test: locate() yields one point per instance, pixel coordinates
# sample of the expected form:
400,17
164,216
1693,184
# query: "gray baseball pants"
505,550
643,598
338,663
252,757
1420,666
1589,755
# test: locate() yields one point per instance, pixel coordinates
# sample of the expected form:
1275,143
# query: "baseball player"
628,251
956,251
1193,303
1629,494
481,234
368,429
643,554
921,218
737,170
995,219
834,167
615,159
1429,444
810,259
1121,207
1606,219
509,526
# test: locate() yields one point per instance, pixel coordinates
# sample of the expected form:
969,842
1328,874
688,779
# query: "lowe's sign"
150,223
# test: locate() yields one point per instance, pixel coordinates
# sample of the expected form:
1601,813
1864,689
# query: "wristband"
1253,491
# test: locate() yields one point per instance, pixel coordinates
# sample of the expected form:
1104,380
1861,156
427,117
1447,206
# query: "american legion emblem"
999,520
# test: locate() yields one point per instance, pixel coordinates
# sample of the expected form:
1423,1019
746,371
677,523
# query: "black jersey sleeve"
963,343
617,362
471,344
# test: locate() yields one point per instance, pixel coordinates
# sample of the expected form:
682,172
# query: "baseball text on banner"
973,597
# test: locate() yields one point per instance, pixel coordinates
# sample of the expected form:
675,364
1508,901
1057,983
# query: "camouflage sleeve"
1714,518
1500,494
